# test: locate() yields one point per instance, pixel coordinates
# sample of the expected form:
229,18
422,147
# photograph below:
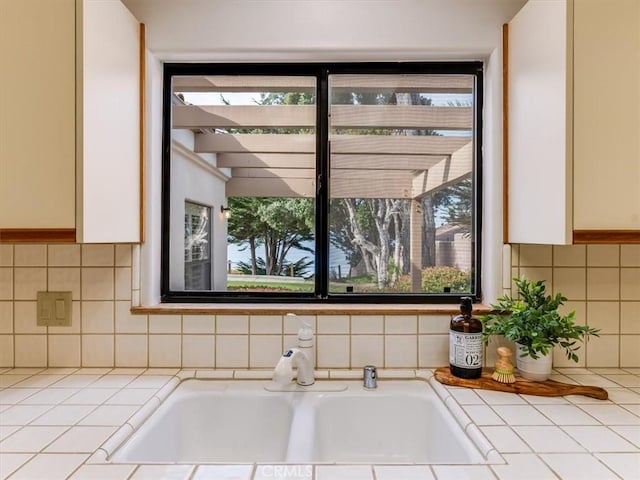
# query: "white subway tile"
65,279
603,351
165,324
28,282
192,324
6,255
396,324
6,350
571,282
401,351
333,324
536,255
264,350
629,351
123,283
569,255
198,351
333,351
98,255
630,284
97,350
367,350
630,255
603,283
97,283
367,324
603,255
98,317
126,322
30,350
265,324
433,351
64,350
434,324
63,256
131,351
26,318
6,283
232,351
123,255
237,324
30,256
165,351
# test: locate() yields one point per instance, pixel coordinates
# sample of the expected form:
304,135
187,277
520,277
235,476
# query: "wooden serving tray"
548,388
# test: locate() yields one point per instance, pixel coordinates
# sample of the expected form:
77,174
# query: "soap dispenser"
305,337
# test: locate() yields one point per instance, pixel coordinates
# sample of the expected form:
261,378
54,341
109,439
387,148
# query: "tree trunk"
252,248
428,233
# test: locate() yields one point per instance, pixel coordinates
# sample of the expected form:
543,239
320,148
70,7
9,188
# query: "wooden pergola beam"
338,161
457,84
340,144
445,173
304,116
402,117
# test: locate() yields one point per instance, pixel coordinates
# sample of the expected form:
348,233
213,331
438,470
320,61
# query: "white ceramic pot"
533,369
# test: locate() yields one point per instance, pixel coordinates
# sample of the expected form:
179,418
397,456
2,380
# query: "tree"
276,224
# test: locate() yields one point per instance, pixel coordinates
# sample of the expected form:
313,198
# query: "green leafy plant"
533,321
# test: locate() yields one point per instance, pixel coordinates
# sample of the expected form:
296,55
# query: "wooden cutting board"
548,388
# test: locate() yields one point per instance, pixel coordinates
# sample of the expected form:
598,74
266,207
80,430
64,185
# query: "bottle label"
465,349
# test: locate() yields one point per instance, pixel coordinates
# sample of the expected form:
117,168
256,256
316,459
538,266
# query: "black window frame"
321,71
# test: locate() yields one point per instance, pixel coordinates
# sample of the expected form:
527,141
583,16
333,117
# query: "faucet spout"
294,357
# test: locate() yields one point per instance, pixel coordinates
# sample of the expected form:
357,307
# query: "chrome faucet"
370,377
294,357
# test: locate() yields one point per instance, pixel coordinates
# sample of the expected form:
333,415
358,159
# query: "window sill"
305,309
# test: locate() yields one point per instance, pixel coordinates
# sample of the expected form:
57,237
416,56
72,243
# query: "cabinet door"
37,115
540,181
607,115
109,124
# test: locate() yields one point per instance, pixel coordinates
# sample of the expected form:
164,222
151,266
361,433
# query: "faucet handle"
370,377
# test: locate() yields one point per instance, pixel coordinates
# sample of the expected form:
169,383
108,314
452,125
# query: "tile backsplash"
602,284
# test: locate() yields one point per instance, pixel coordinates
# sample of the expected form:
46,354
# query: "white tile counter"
53,423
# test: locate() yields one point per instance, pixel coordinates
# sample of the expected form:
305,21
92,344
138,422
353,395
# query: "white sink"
202,421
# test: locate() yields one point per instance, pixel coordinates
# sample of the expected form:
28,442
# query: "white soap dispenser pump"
305,336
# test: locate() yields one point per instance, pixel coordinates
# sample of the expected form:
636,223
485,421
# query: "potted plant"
533,322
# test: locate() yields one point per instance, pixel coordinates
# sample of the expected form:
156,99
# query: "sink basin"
204,421
397,424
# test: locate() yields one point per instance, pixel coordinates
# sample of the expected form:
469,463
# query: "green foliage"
300,267
533,321
435,279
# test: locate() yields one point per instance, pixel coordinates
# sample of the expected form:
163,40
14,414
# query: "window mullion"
322,185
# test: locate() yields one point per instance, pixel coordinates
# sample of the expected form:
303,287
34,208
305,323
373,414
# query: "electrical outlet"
54,309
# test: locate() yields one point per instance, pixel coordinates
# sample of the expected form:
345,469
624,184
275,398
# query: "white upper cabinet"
69,121
574,122
108,123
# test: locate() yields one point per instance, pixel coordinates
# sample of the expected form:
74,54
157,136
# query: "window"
340,182
197,247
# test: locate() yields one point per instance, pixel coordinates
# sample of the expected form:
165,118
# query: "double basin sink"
210,421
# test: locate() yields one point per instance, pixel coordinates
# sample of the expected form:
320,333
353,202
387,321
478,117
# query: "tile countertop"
56,423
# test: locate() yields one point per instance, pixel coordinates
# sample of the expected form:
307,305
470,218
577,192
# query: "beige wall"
601,282
104,280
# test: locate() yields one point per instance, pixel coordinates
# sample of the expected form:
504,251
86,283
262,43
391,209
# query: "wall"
601,282
104,280
195,178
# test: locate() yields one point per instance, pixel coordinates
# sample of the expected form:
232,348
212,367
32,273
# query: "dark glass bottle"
465,343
